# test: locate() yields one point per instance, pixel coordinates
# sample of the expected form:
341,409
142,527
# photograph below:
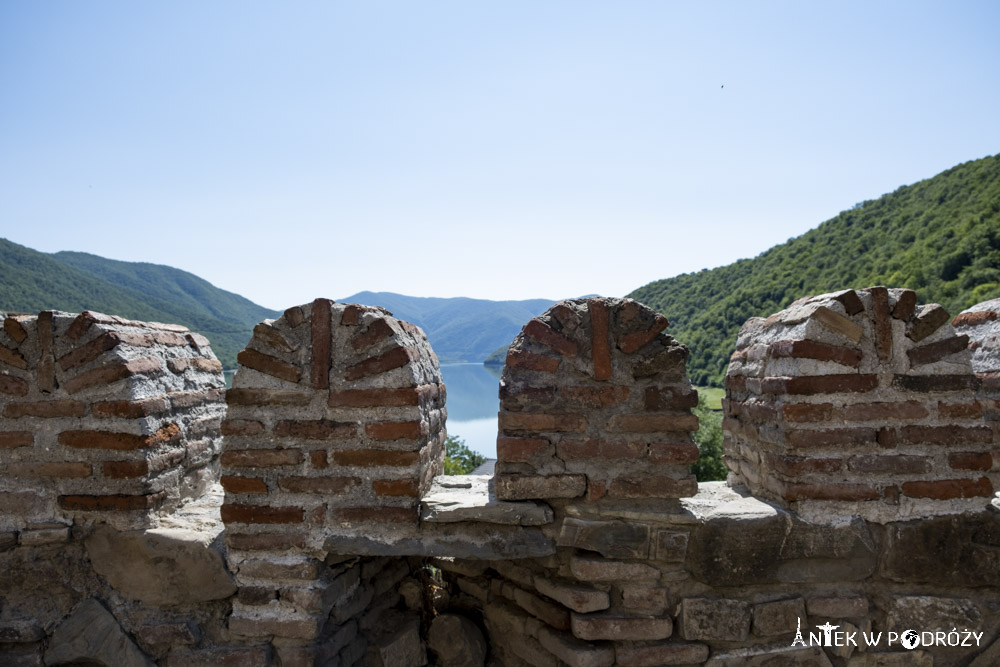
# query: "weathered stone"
617,627
456,641
771,657
710,619
660,653
578,598
899,659
931,613
459,540
843,606
613,539
964,553
575,652
163,566
456,498
92,635
644,599
227,656
397,643
599,569
777,618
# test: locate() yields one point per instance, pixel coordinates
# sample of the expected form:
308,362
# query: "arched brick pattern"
595,401
104,418
860,397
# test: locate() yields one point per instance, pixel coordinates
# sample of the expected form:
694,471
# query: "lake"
473,405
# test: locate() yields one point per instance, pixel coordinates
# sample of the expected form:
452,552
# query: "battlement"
861,435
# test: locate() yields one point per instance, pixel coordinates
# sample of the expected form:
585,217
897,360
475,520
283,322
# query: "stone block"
660,653
397,643
456,641
575,652
598,569
617,627
646,599
710,619
612,539
842,606
777,618
577,597
92,635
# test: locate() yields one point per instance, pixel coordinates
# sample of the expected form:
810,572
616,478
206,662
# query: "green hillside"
940,237
459,329
31,281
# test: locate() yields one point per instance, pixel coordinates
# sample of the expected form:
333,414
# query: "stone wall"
861,431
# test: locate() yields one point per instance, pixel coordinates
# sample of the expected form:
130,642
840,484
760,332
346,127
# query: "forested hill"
31,281
940,237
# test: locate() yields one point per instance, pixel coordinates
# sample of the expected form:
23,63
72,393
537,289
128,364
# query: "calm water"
473,405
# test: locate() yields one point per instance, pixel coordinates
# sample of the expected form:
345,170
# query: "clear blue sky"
514,149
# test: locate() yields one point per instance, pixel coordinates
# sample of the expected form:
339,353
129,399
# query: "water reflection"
473,405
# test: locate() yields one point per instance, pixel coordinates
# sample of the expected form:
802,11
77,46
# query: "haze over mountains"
940,237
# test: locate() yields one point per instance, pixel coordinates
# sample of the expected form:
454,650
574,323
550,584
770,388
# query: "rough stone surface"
92,635
472,498
456,641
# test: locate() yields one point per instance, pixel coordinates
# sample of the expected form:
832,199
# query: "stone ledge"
455,498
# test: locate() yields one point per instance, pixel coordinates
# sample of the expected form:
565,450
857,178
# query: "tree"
709,466
459,459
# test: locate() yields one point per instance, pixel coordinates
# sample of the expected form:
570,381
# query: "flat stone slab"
454,498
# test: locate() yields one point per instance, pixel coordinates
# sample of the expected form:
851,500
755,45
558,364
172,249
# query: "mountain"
31,281
459,329
939,237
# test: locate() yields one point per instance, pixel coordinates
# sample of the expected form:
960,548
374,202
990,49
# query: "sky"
500,150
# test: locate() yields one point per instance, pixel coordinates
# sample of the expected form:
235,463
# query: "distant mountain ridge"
940,237
459,328
31,281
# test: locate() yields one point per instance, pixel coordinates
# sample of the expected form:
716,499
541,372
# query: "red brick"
265,541
600,344
600,449
883,326
833,436
181,364
261,458
517,421
970,461
807,349
409,430
897,464
14,329
261,397
182,400
319,429
521,449
373,398
766,413
269,365
595,397
652,422
819,384
630,343
949,488
12,439
886,438
112,503
124,469
735,383
236,484
801,465
851,301
67,469
929,320
46,370
972,410
197,341
882,411
322,313
670,452
928,383
520,396
130,409
325,485
927,354
531,362
112,373
596,489
318,459
396,487
90,351
102,440
669,398
235,513
990,381
829,491
807,412
549,337
387,361
906,305
653,486
947,435
974,319
13,385
367,458
12,358
366,515
45,409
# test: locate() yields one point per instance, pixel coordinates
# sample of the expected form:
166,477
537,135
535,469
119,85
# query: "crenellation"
301,518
